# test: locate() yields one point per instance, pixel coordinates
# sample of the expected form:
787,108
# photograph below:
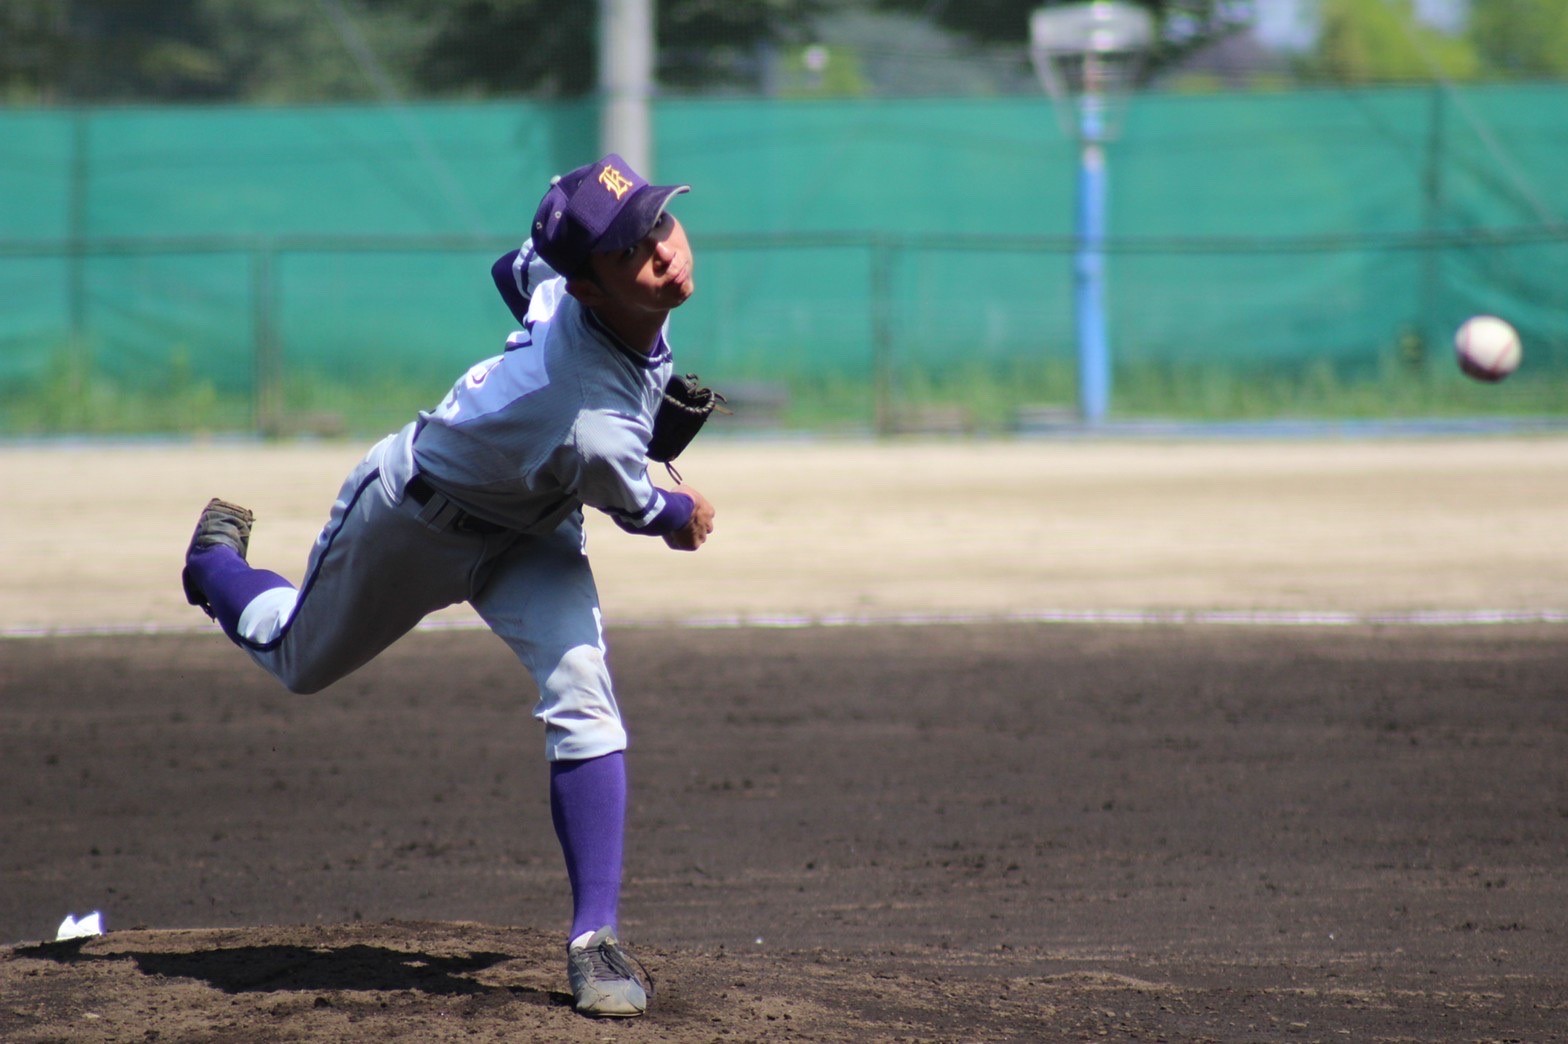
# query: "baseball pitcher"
481,499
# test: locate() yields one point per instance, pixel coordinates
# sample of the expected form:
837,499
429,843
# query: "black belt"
442,514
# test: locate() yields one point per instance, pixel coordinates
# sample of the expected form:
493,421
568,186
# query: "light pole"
1086,56
1094,354
626,65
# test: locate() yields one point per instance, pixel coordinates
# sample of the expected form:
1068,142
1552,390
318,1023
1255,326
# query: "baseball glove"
686,408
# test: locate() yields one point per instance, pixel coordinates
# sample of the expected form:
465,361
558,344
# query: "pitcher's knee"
300,679
583,740
578,708
306,686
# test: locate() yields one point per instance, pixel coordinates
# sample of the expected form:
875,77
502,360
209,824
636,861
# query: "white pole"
626,52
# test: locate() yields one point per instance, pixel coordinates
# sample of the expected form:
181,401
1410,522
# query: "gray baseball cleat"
220,523
603,982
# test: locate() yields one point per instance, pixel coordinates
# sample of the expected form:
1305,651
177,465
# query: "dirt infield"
95,534
1024,832
989,831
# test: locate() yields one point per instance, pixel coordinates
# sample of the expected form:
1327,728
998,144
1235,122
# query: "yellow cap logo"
615,181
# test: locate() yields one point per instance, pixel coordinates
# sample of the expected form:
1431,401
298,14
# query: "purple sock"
588,806
229,583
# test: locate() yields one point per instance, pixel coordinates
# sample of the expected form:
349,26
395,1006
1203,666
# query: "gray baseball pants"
383,563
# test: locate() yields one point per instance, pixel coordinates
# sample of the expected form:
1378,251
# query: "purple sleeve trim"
672,517
506,282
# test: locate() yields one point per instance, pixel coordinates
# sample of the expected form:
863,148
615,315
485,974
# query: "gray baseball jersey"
479,500
562,418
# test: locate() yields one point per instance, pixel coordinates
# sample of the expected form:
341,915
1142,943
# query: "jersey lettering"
493,385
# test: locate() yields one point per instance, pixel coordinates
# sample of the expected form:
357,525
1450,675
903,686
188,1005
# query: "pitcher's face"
654,274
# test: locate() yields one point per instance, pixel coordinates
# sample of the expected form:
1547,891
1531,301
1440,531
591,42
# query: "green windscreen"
1267,254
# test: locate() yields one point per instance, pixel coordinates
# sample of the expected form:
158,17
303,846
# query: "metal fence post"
882,379
267,349
79,351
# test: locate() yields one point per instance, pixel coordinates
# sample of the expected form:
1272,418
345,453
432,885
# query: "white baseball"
1487,347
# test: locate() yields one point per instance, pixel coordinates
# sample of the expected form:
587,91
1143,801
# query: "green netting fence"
860,262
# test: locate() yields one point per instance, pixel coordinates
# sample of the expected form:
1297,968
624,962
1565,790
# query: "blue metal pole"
1094,360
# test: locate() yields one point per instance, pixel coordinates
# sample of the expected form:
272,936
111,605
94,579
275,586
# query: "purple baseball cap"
601,207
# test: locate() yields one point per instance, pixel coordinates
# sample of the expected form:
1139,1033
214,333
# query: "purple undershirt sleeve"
506,283
672,518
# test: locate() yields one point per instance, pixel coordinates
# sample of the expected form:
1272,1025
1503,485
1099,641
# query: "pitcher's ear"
587,291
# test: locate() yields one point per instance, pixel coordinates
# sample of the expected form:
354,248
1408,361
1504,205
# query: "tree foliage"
1382,41
501,47
508,47
60,52
193,50
1522,39
94,51
1182,26
311,50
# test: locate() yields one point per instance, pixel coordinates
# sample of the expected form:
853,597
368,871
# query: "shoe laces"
609,961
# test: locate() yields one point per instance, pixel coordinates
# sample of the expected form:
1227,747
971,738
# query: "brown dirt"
997,831
1000,832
